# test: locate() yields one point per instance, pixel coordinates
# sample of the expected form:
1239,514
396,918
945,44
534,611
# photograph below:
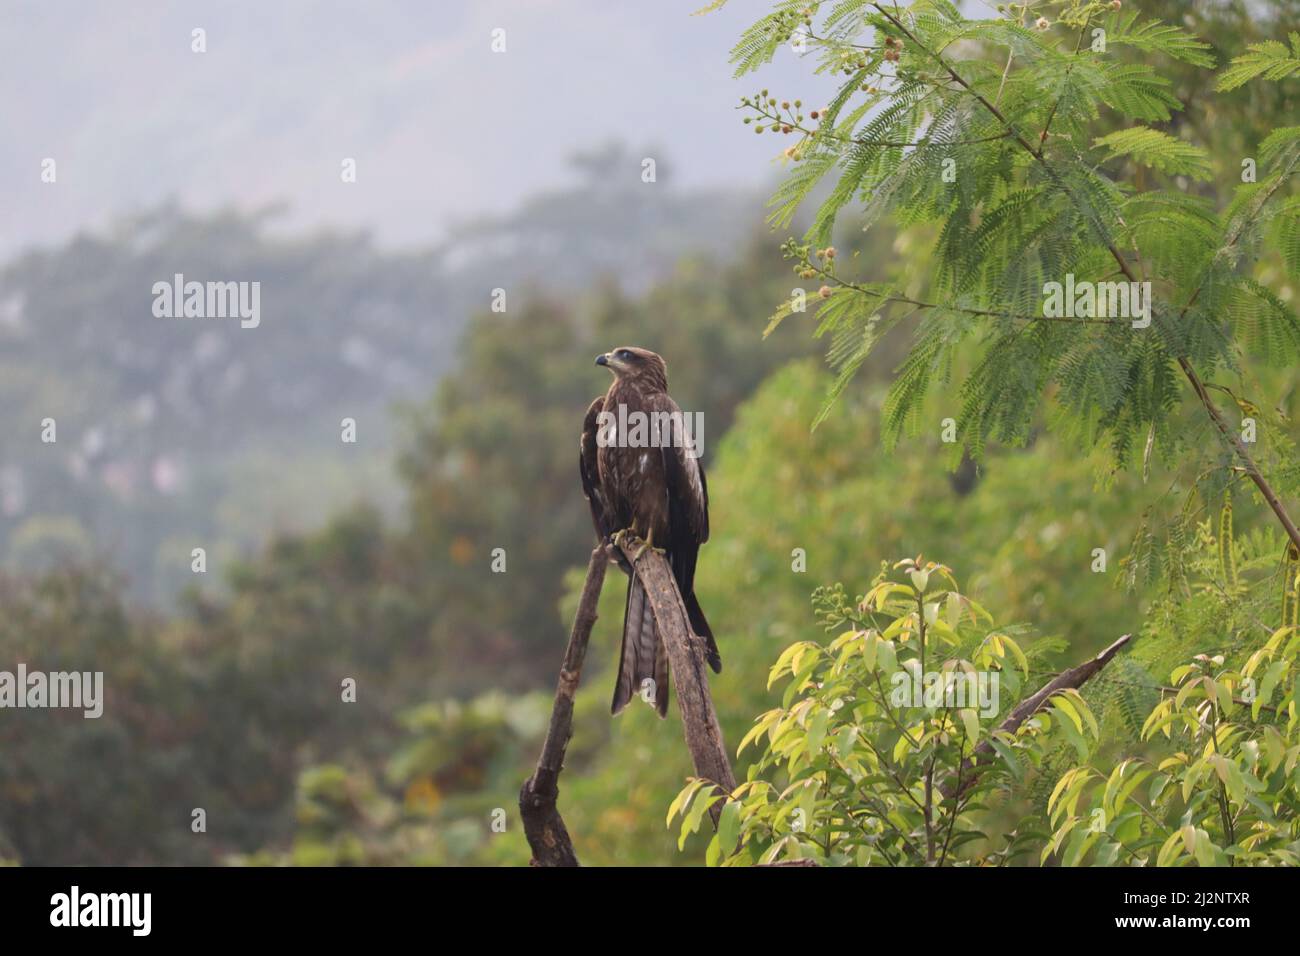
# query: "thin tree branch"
543,826
1071,679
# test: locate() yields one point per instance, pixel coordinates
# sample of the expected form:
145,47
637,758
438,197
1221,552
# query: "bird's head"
642,365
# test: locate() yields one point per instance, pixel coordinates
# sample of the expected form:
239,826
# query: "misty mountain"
160,418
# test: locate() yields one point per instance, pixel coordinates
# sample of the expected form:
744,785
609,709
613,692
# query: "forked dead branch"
543,825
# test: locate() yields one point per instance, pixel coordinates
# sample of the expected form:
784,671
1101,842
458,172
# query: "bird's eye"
625,355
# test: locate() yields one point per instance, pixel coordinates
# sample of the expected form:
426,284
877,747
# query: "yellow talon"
648,543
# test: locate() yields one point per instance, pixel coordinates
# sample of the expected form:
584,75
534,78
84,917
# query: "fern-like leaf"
1270,60
1158,150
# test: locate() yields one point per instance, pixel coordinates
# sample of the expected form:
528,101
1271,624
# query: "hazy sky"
440,126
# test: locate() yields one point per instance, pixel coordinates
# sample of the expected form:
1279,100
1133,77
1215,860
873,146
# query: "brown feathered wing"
642,654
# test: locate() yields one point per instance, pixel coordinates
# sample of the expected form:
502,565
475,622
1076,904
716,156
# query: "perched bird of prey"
656,493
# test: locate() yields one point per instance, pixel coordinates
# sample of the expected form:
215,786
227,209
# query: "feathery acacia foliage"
1030,147
1270,60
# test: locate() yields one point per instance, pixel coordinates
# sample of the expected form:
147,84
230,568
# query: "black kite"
655,492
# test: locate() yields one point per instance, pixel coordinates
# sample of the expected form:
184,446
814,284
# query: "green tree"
887,746
1016,142
1207,772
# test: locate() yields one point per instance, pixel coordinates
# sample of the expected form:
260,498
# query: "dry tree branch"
689,671
1071,679
543,826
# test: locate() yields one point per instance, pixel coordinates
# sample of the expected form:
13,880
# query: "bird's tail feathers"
643,655
701,627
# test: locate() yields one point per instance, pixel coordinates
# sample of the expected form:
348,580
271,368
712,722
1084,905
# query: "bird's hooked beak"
617,361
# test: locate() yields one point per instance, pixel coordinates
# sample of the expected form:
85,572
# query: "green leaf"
729,826
886,657
817,730
1156,37
691,821
1270,60
1158,150
971,723
684,796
